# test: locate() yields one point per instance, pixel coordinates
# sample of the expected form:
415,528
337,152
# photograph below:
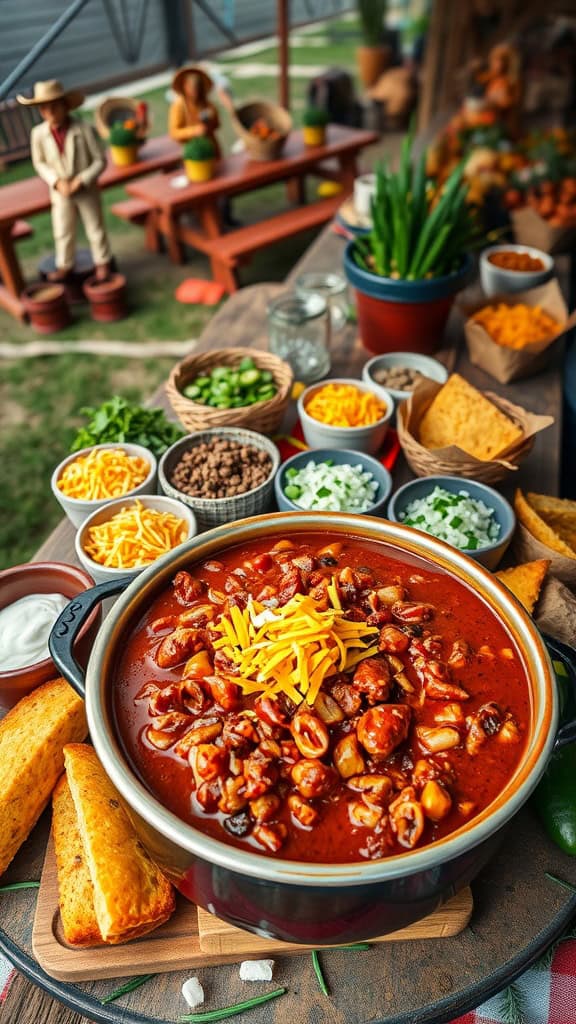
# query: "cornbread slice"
32,739
461,415
525,581
131,895
76,892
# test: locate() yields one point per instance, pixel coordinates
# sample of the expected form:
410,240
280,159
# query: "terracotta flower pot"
314,134
403,316
107,298
372,61
46,306
199,170
124,156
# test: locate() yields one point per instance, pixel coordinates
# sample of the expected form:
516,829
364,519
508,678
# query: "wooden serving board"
192,938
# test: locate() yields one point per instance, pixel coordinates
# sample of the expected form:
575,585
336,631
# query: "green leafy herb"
231,1011
15,886
199,148
318,973
315,117
120,420
122,136
130,986
512,1005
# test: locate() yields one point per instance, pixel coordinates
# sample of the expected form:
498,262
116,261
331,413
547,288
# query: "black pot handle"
68,625
567,656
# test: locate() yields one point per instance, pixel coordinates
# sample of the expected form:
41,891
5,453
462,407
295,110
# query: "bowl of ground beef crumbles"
223,474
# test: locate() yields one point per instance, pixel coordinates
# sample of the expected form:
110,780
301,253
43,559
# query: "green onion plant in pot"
409,267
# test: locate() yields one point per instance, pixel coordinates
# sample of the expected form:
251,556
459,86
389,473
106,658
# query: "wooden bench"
138,211
21,229
228,250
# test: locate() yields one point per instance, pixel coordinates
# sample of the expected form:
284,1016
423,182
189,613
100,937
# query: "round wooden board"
518,913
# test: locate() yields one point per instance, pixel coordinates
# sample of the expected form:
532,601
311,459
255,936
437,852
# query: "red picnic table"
25,198
168,201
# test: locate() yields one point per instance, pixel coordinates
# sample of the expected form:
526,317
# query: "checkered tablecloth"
543,995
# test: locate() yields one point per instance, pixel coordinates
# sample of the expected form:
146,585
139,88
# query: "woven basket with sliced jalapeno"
227,387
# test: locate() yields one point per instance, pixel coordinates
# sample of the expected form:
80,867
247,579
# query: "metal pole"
39,48
283,33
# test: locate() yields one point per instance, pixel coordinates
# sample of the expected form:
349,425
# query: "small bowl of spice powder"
223,474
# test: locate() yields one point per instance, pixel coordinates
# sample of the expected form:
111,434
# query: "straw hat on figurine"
191,69
49,92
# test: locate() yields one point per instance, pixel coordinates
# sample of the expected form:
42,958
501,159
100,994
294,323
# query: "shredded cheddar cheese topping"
103,473
292,649
343,405
134,536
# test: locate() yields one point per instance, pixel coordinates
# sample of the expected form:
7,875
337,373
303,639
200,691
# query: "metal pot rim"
429,858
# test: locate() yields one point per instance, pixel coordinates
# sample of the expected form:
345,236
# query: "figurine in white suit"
69,156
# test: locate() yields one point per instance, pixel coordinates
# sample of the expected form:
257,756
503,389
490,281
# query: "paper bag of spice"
505,363
532,229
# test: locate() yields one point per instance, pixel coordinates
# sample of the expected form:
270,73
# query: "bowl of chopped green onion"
469,515
332,480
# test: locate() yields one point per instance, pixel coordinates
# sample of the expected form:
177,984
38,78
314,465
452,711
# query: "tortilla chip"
131,895
463,416
559,513
525,581
536,525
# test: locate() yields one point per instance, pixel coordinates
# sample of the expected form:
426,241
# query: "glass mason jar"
334,288
299,333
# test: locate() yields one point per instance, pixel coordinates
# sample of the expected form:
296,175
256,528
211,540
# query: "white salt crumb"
193,992
256,970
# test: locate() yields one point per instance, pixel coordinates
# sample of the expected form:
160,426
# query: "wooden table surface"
238,172
518,912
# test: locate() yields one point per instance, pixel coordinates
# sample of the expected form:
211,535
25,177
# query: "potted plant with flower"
124,142
314,121
199,158
409,267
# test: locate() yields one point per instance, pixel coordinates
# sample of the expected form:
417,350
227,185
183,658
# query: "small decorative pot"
107,298
403,316
314,134
199,170
46,306
124,156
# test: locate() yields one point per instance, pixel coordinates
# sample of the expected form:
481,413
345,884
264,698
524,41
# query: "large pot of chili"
320,723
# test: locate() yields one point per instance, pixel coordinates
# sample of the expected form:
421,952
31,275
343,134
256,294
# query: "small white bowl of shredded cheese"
470,516
332,480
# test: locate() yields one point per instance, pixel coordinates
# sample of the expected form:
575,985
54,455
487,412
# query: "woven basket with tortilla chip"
455,430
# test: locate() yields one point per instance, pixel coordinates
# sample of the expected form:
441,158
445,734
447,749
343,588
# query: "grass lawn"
41,398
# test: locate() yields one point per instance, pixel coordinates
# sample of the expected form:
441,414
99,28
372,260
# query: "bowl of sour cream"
32,596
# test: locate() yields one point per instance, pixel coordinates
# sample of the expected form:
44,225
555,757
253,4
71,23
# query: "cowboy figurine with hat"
69,156
191,113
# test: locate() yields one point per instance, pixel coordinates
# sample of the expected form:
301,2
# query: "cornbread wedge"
76,892
131,895
32,739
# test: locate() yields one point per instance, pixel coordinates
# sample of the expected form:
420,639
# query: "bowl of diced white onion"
469,515
332,480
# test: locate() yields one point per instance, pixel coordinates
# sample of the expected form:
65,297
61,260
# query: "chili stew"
322,700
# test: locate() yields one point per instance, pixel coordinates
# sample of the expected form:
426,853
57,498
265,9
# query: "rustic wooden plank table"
239,173
518,912
31,196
